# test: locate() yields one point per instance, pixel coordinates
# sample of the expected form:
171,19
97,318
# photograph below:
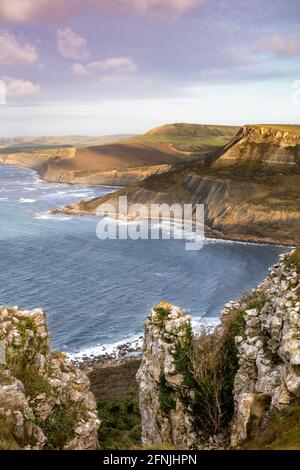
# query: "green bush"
161,312
34,382
183,356
215,364
120,424
166,400
60,425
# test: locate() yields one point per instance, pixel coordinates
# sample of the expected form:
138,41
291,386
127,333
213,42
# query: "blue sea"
97,292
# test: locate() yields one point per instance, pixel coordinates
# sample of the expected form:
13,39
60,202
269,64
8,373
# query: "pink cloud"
49,10
71,45
118,65
18,87
160,8
278,46
18,11
16,50
79,69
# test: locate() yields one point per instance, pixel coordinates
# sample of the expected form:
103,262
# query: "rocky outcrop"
259,214
266,144
45,402
261,333
250,190
59,166
164,417
117,177
269,351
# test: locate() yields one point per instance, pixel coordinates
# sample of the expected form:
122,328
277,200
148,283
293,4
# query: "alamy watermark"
152,222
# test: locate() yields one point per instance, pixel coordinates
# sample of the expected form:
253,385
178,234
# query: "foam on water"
134,342
25,200
47,216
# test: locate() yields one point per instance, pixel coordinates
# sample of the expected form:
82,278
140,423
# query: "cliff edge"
250,189
226,388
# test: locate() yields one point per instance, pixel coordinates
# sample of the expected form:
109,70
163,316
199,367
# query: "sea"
97,293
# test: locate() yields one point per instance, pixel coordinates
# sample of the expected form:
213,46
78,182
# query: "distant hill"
250,188
190,138
120,160
58,141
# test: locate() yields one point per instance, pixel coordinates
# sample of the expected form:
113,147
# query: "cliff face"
117,177
268,378
165,418
216,389
236,210
45,402
250,191
270,145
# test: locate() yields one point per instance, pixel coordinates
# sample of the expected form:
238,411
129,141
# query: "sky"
98,67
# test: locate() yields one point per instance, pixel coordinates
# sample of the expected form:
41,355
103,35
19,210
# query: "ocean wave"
25,200
52,217
111,349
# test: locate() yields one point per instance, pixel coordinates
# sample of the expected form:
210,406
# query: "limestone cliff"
215,389
272,145
45,402
250,190
61,166
165,418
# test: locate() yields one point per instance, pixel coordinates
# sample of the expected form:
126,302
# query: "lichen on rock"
165,418
45,402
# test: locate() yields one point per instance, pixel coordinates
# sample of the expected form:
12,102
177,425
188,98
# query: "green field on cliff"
192,138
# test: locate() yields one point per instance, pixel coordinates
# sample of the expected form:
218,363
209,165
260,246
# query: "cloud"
15,50
113,65
173,7
276,45
18,11
164,9
18,87
79,69
71,45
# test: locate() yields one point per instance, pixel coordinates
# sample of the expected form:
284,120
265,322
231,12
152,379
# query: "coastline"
73,210
125,349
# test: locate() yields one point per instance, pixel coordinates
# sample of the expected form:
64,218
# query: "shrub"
183,356
166,400
34,382
7,439
60,425
162,311
293,260
120,424
215,364
256,302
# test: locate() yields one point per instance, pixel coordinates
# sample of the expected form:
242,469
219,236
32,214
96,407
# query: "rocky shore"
122,352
